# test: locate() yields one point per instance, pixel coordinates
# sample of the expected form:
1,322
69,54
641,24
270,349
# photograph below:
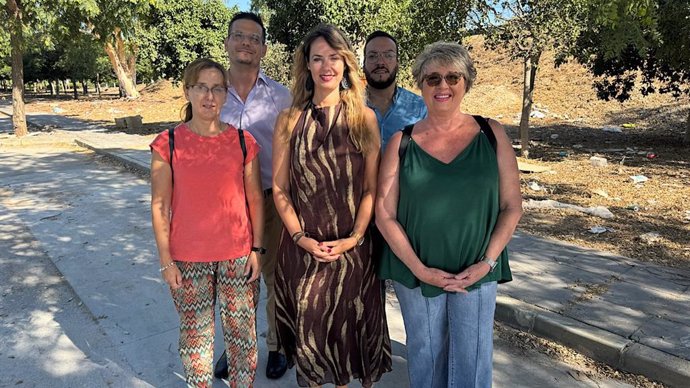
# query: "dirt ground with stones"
642,138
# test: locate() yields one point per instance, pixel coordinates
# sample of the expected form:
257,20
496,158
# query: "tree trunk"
687,130
64,86
120,62
84,88
74,89
530,73
98,84
17,42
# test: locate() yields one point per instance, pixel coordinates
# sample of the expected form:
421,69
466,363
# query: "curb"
598,344
130,163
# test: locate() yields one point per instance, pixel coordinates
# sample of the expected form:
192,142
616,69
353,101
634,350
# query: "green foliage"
290,20
428,22
84,58
650,38
179,31
276,63
414,24
5,68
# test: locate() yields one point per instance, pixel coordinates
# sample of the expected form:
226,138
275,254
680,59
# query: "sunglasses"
434,79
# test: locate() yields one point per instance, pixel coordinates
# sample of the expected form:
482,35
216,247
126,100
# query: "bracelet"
358,237
163,268
298,235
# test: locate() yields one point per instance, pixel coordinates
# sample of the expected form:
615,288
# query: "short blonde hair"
446,54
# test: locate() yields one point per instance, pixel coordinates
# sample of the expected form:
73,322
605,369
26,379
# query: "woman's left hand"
338,247
468,277
252,267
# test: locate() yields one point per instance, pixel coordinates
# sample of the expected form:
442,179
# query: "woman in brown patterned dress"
329,304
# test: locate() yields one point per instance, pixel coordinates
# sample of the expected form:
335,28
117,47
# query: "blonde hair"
352,97
191,76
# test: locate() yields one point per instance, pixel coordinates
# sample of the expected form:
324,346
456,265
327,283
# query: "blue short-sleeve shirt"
407,108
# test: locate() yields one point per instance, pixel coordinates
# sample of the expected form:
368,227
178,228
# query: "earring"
344,85
309,85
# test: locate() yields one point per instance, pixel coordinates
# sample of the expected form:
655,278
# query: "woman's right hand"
319,251
434,277
173,277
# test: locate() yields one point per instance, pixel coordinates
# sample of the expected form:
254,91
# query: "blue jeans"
449,337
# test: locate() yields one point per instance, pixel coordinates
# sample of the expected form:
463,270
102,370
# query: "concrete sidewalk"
628,314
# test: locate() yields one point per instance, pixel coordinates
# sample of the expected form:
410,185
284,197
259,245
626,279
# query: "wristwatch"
259,250
492,263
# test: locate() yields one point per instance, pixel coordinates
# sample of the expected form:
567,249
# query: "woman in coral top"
206,205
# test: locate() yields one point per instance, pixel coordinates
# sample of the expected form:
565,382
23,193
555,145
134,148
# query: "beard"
382,84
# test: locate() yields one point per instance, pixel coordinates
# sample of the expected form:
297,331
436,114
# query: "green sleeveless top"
448,212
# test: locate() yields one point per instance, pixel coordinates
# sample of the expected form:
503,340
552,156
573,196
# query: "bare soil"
564,140
584,368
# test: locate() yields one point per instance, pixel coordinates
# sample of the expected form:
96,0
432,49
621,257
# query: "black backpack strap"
240,133
404,141
486,128
171,146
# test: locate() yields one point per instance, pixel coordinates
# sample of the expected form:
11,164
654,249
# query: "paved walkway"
631,315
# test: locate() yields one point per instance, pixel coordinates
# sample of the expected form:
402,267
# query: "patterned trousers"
195,303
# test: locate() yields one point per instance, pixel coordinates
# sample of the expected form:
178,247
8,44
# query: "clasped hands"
453,282
327,251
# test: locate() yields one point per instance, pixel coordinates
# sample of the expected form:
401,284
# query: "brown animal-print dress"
330,316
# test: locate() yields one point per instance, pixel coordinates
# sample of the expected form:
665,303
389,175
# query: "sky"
242,4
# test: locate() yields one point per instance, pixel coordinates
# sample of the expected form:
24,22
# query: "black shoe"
276,366
221,369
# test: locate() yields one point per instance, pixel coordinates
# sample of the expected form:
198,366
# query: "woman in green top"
447,205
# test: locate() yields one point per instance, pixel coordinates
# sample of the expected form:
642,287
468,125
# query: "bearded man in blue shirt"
395,106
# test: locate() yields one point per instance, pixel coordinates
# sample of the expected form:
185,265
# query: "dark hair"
249,16
380,34
191,75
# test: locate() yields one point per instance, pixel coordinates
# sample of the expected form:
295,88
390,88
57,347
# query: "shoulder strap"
171,146
240,133
404,141
486,128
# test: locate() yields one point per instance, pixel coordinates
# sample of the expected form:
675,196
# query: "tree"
165,41
80,60
275,63
291,20
5,52
638,43
15,24
431,21
526,28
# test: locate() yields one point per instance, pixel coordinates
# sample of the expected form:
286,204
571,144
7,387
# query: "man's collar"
263,77
395,94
